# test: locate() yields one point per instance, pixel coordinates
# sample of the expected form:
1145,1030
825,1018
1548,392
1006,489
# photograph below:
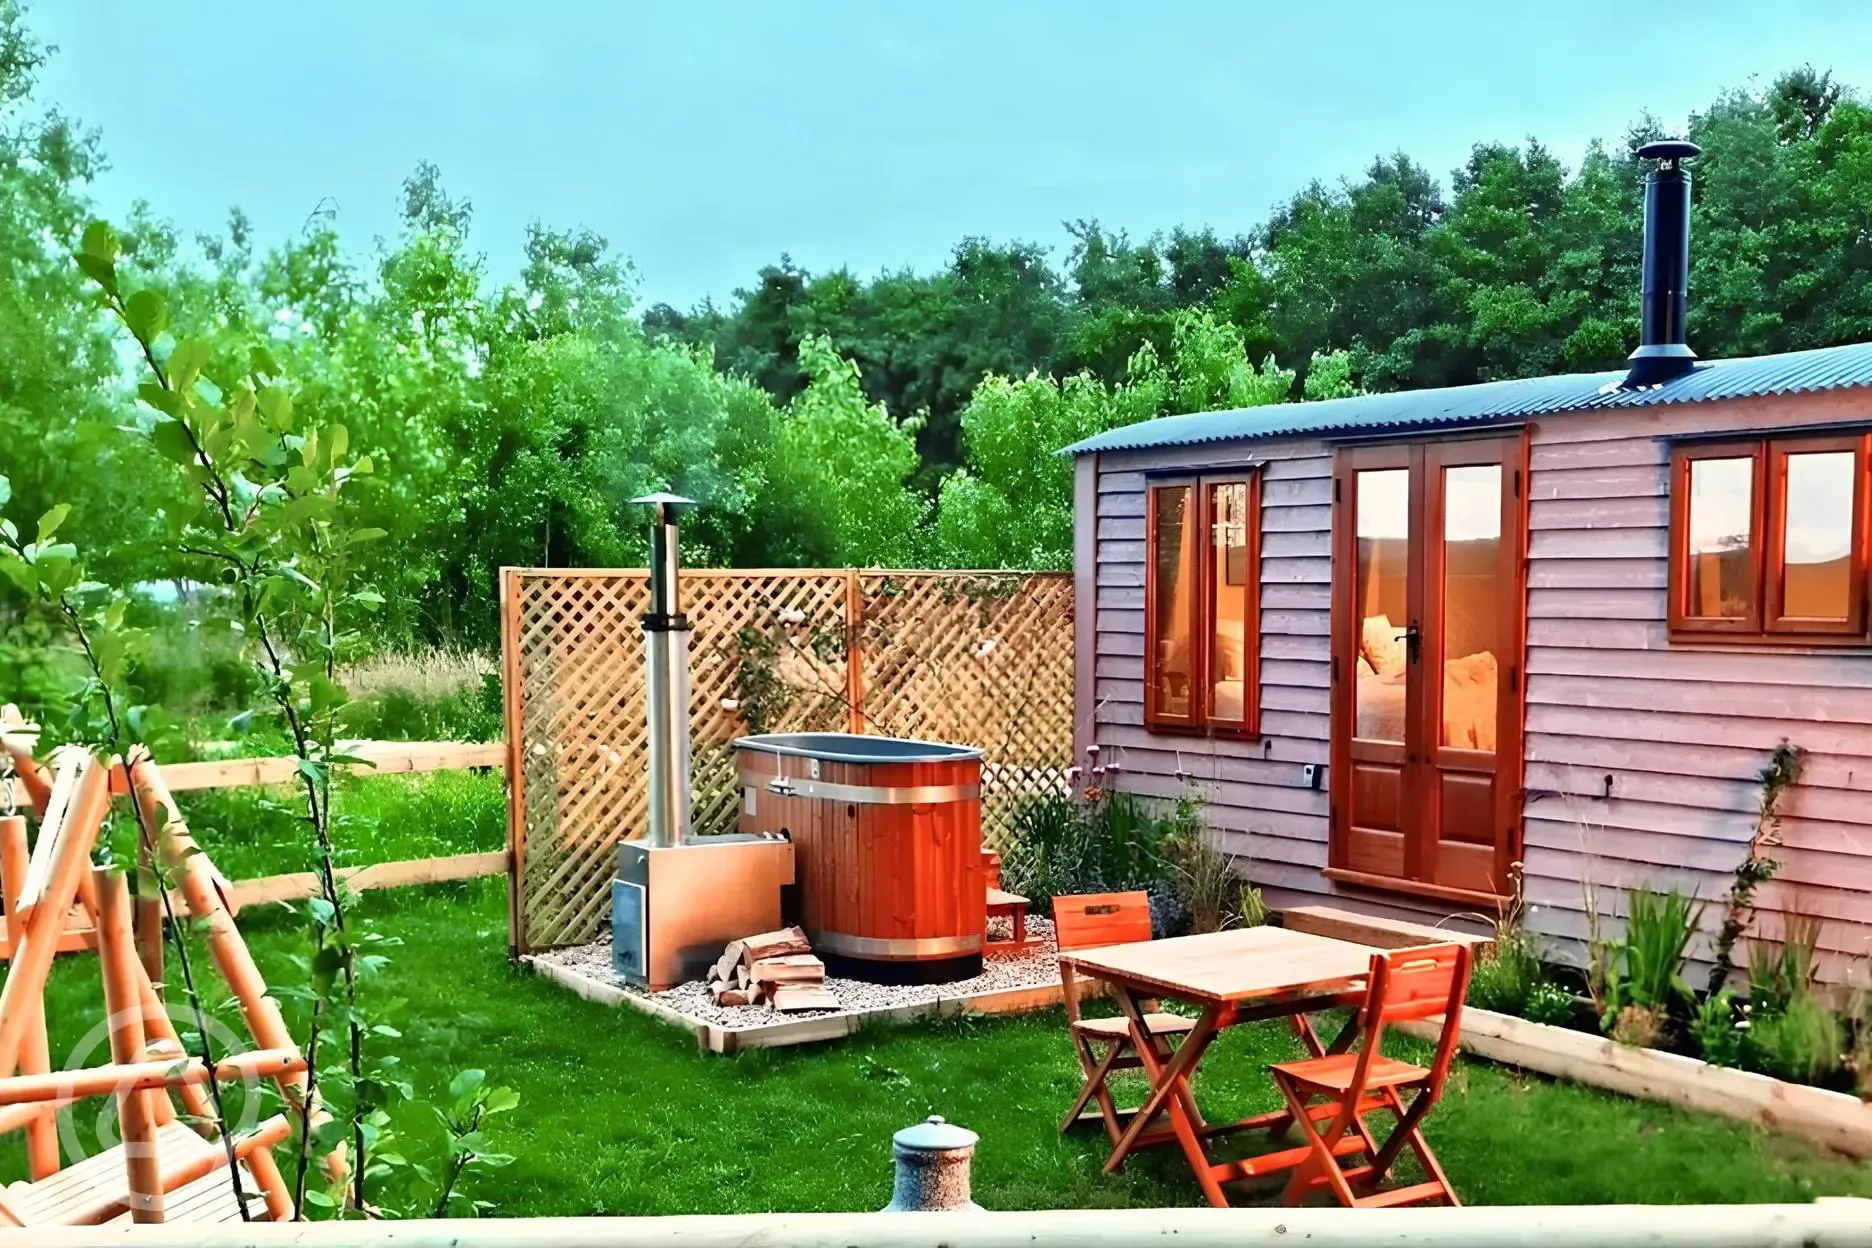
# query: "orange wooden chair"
1406,985
1104,1045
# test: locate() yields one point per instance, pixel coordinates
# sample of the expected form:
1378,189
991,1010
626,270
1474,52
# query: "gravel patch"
1036,967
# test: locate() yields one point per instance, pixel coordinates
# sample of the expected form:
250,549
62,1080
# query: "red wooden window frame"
1197,578
1768,543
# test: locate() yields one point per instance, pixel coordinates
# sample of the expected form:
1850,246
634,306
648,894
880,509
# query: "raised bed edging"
1835,1119
715,1038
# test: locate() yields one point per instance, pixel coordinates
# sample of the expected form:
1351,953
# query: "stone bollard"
932,1168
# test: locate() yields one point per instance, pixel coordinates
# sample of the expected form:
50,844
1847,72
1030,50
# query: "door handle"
1412,637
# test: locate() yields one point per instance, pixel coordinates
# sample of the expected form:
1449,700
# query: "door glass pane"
1175,598
1472,504
1720,580
1383,529
1228,631
1816,583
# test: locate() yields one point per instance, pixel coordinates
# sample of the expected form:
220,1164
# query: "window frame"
1202,582
1765,625
1774,554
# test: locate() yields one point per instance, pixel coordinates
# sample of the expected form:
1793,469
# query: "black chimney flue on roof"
1664,298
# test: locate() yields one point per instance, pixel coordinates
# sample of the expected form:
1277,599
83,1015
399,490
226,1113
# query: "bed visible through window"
1202,604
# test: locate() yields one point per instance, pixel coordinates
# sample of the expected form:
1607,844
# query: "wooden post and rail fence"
385,758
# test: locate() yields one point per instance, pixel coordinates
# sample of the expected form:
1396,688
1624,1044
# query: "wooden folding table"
1233,977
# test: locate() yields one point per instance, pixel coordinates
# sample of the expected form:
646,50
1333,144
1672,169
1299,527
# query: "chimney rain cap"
1669,149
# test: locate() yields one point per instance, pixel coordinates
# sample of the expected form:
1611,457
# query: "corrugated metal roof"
1796,372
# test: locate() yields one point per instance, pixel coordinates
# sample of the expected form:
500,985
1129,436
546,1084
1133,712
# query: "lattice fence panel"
984,658
978,658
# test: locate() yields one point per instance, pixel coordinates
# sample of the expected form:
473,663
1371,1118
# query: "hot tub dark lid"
852,747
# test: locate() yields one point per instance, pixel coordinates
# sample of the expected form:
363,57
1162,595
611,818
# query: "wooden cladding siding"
1679,729
1254,790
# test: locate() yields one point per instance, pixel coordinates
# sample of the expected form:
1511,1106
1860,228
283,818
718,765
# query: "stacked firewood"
774,968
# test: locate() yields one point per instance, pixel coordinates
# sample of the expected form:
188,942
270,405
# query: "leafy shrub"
1640,1026
1713,1027
1251,909
1205,882
1507,978
1858,1058
1801,1042
1645,973
1112,843
1548,1002
36,673
1779,974
193,665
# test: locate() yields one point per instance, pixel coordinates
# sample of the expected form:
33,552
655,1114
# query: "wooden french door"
1428,599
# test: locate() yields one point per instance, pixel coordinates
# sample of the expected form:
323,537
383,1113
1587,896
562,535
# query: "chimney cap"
1672,150
664,499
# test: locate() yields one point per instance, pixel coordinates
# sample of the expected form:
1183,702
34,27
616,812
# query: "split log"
783,943
799,968
733,996
788,998
724,967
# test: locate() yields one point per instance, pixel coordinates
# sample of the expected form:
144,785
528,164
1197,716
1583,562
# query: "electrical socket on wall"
1310,775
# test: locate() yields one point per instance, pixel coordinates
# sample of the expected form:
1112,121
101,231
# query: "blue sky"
705,139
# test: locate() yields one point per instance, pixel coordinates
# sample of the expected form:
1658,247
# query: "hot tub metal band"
878,949
860,794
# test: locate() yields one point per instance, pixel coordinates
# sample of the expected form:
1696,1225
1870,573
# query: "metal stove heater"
677,899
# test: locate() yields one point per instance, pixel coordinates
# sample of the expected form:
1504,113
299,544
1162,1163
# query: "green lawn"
621,1115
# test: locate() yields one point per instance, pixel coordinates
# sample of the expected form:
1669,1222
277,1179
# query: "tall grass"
435,695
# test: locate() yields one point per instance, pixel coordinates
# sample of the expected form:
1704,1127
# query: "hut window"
1769,539
1202,605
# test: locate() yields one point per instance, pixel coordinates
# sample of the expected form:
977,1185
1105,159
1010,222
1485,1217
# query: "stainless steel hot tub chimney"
677,899
666,680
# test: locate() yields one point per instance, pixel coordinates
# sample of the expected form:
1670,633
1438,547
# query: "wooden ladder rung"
1402,1196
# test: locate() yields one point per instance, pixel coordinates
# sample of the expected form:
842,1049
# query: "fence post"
512,713
854,652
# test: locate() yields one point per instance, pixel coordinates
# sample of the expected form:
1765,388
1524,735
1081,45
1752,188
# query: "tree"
1013,505
57,403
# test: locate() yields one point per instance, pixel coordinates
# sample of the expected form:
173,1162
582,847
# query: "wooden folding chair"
1406,985
1105,1045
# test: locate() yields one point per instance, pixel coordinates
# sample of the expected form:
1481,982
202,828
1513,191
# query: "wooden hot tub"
887,847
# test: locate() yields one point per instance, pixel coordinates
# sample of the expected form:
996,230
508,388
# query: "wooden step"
1366,929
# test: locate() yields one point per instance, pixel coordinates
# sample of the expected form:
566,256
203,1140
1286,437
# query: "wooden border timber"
1830,1222
1834,1119
783,1032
